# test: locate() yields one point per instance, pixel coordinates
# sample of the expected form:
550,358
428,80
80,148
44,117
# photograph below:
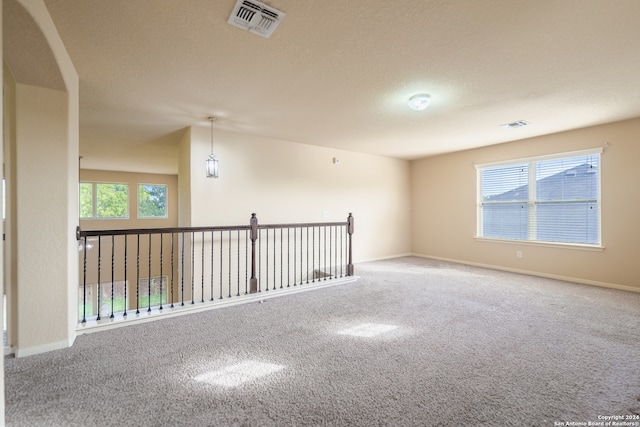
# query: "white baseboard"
156,314
536,273
360,261
30,351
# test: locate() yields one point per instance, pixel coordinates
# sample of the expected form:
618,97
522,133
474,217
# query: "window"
545,199
157,295
88,302
86,200
111,201
152,201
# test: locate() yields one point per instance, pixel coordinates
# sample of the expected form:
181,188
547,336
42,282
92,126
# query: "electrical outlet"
518,254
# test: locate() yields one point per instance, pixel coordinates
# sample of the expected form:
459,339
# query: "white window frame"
531,203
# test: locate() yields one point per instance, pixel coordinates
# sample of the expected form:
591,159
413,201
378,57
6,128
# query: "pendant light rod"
212,162
212,119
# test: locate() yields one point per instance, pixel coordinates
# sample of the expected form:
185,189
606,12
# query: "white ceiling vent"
256,17
515,125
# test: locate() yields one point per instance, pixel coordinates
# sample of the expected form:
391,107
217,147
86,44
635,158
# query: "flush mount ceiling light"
212,162
419,102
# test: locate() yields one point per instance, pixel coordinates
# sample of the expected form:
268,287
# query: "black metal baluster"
335,252
212,241
288,257
149,279
350,230
138,276
259,261
99,264
229,272
202,270
193,256
281,260
161,265
221,250
172,268
113,260
182,272
266,252
330,250
324,268
84,282
319,253
301,259
313,254
246,262
341,252
238,250
126,238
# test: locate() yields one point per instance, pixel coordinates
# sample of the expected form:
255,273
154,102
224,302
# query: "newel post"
350,232
254,236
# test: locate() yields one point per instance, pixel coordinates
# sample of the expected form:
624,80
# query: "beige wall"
9,161
41,215
44,158
443,200
284,182
184,180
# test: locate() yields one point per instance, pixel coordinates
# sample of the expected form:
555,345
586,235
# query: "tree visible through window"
551,199
86,200
152,201
112,201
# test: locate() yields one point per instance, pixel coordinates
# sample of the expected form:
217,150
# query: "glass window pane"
152,292
152,201
112,201
570,222
505,183
574,178
505,221
86,200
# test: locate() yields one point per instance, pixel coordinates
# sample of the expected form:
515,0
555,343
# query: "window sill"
577,246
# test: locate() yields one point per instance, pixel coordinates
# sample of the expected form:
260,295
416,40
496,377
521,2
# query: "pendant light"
212,162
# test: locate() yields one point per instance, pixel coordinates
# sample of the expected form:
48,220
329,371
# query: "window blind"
550,199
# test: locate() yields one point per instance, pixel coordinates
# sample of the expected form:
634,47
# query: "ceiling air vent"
514,125
255,17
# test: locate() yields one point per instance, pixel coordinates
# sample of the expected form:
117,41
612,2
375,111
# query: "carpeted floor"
455,346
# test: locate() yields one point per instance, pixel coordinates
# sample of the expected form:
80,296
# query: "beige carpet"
414,342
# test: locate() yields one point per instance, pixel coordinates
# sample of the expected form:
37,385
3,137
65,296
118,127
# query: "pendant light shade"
212,166
212,162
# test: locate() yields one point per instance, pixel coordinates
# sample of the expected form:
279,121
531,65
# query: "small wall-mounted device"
336,161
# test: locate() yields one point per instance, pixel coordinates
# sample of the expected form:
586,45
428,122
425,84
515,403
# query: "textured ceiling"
339,73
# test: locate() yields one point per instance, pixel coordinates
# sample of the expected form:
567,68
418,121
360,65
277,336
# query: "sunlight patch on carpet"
238,373
367,330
